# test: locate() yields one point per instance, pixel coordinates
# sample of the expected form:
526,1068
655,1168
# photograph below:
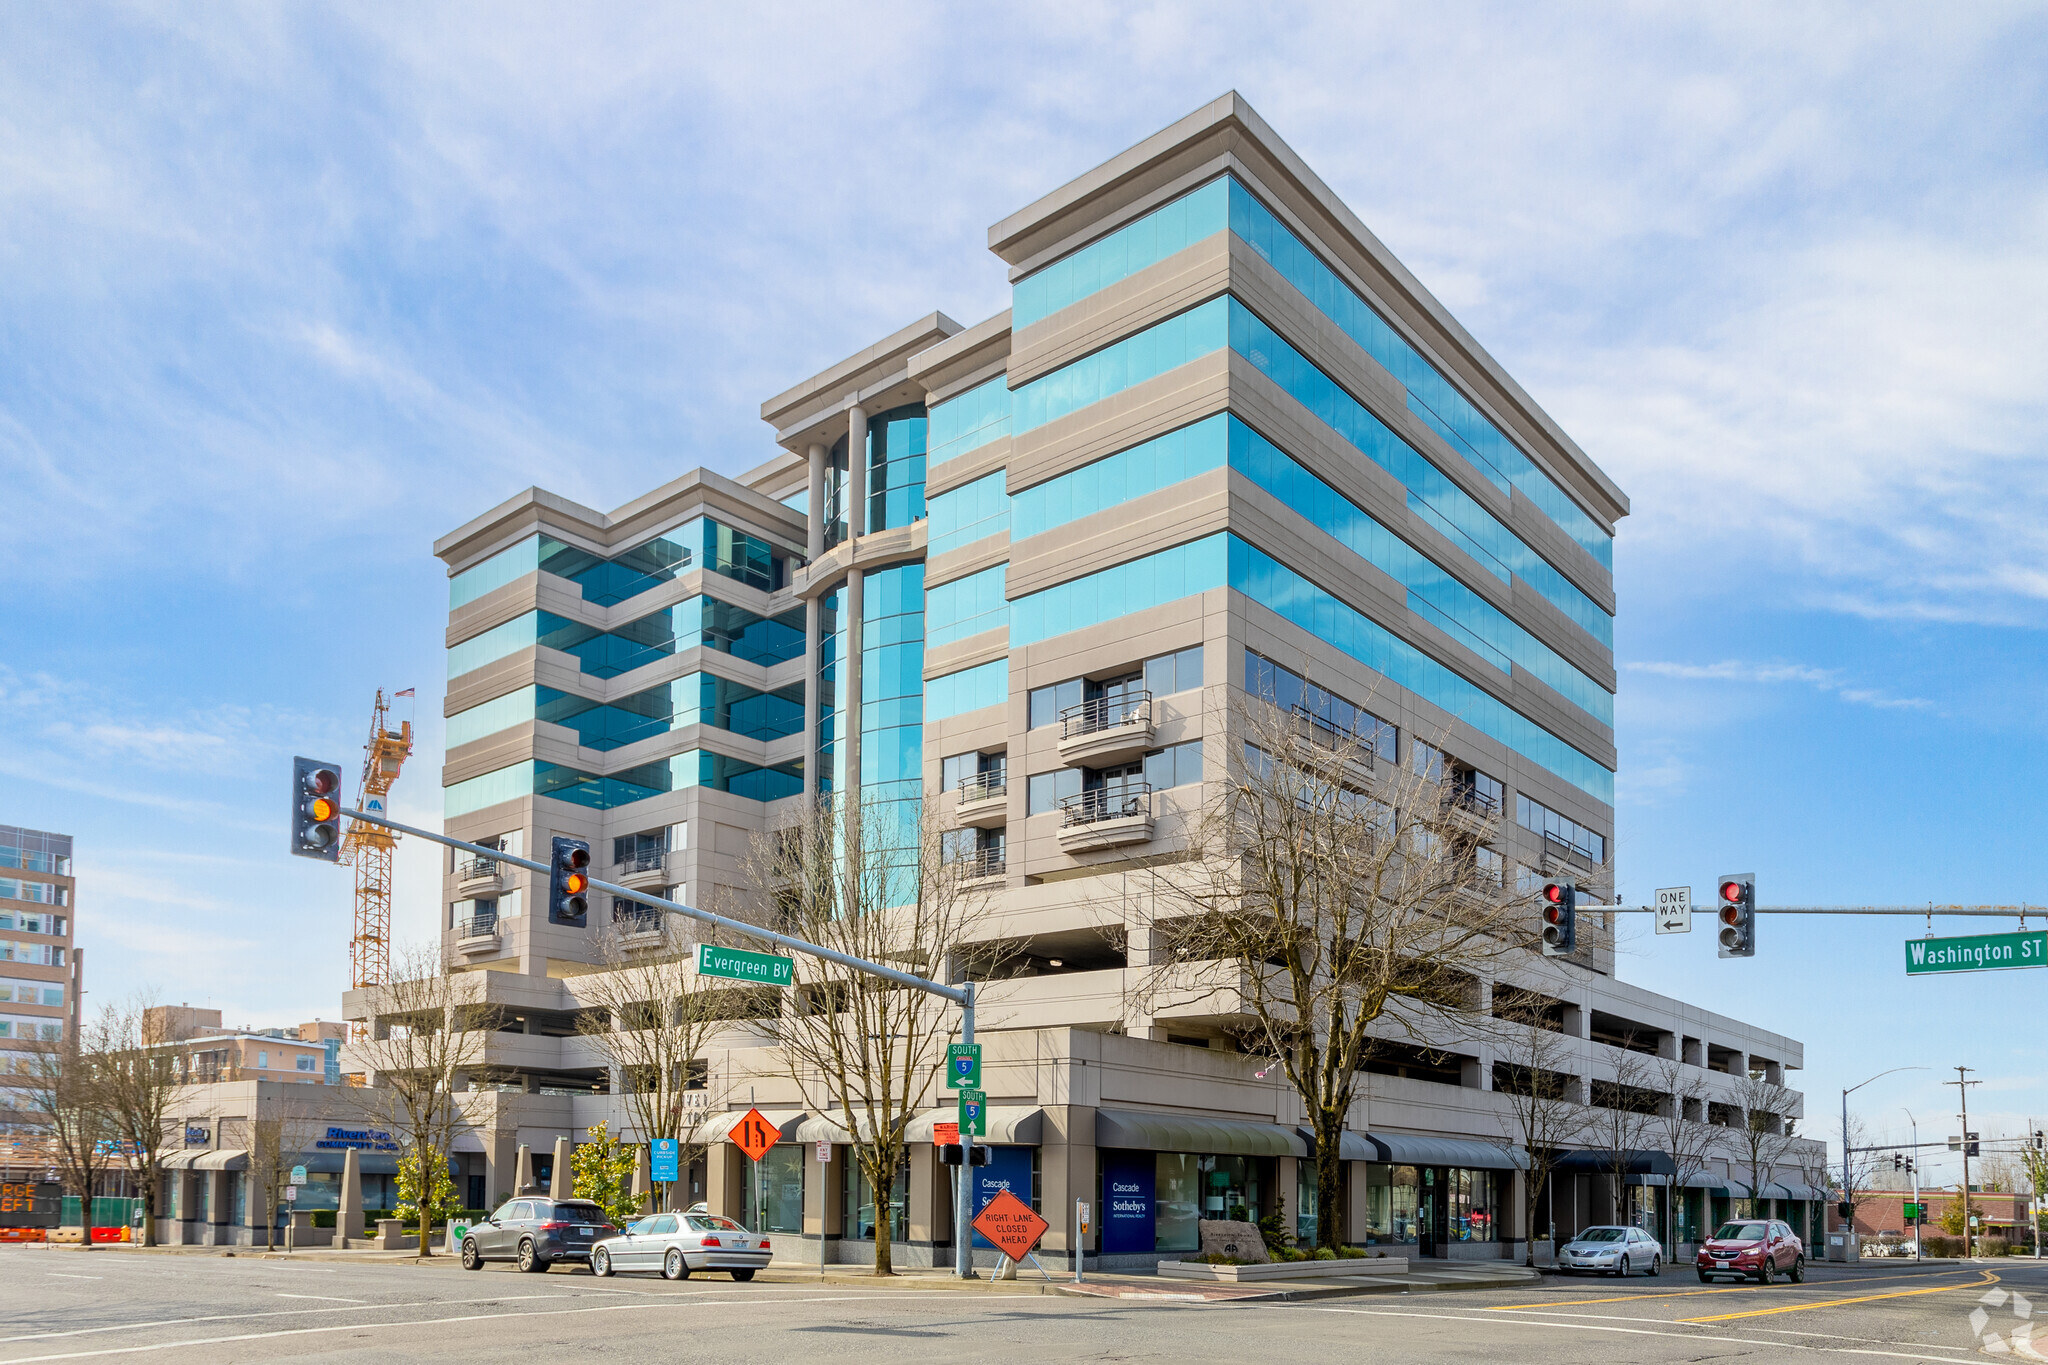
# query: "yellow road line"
1680,1293
1989,1278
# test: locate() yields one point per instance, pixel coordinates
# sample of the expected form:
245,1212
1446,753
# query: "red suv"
1753,1248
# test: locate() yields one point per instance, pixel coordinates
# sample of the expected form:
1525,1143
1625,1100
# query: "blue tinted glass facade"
831,648
1158,463
970,420
1164,346
1131,587
507,566
694,699
1123,253
719,548
1226,203
697,768
966,606
963,515
693,622
896,461
970,689
892,722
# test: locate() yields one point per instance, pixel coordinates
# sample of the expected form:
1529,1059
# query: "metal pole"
1963,1096
1077,1239
1913,911
963,1234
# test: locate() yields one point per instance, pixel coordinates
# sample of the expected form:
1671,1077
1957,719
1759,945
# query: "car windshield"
711,1222
1740,1232
1602,1235
580,1213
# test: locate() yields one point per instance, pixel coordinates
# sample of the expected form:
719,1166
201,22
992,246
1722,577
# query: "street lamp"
1850,1230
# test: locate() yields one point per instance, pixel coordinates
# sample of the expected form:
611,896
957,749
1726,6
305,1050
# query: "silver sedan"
1612,1251
678,1243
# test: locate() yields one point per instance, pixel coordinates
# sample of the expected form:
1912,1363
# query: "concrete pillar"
643,1180
923,1219
560,1180
825,1203
814,623
522,1178
856,470
1067,1170
500,1161
725,1177
814,540
348,1219
1357,1204
852,602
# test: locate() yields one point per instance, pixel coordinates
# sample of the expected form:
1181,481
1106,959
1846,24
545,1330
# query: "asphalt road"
114,1304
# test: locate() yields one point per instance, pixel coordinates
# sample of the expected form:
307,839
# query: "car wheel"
601,1263
743,1275
1798,1275
673,1266
1705,1278
1656,1266
472,1258
1763,1272
529,1259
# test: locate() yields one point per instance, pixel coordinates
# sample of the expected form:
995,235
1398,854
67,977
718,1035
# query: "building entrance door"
1432,1211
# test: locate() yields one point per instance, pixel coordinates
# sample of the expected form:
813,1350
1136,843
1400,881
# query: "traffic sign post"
1080,1236
1977,953
298,1175
973,1114
963,1066
754,1135
665,1161
743,964
1674,910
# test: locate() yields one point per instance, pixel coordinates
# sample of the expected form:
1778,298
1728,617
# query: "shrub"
1325,1254
1936,1244
1218,1258
1993,1246
323,1218
1273,1228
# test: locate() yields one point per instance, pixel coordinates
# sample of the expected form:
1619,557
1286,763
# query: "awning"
718,1127
1601,1162
1159,1132
1409,1149
182,1160
1350,1146
1009,1125
222,1160
1798,1191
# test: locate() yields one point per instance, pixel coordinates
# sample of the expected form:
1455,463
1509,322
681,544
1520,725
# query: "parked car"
1611,1251
677,1244
535,1232
1752,1248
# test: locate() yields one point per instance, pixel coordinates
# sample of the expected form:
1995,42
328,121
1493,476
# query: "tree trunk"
150,1184
1329,1129
1532,1196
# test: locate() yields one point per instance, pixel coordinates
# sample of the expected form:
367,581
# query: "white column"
856,469
814,543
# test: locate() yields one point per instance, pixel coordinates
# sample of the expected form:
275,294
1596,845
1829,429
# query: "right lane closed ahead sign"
1009,1223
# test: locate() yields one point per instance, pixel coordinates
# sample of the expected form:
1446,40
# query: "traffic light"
1560,919
949,1154
1738,914
1898,1162
316,809
569,882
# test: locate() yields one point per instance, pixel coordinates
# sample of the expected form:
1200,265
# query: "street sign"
824,1151
1912,1212
291,1194
1978,953
1009,1223
298,1175
1081,1212
963,1066
945,1135
754,1134
1674,909
665,1160
974,1117
743,964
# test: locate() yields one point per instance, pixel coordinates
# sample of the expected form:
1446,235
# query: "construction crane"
368,848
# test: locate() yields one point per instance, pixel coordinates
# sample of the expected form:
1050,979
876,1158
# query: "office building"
39,966
1221,442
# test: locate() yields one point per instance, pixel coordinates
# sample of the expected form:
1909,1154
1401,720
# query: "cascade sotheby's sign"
1980,953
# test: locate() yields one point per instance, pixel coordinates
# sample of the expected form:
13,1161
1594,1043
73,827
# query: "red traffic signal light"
1560,919
1731,891
1553,893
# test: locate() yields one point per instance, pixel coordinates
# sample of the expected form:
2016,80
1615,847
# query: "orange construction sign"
754,1134
946,1135
1009,1223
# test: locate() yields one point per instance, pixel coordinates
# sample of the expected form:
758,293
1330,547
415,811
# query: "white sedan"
679,1243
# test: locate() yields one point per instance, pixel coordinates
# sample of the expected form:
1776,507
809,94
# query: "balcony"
980,864
477,934
478,876
1323,733
646,870
984,799
637,925
1105,817
1564,850
1104,730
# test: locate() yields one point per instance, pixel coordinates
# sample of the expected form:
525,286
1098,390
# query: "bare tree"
1766,1132
426,1037
1332,896
1541,1114
1622,1120
63,1092
275,1144
1688,1141
649,1016
1862,1160
869,878
143,1071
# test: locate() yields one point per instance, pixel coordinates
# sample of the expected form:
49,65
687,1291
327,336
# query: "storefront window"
1390,1205
1230,1188
1178,1206
860,1202
780,1175
1472,1209
1305,1203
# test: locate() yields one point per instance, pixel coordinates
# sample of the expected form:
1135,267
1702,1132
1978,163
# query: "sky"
288,291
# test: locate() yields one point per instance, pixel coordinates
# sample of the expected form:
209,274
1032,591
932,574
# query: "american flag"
407,693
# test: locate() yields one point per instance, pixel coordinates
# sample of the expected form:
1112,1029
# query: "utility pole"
1962,1086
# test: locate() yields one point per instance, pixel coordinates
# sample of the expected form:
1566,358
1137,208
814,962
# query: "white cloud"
1739,671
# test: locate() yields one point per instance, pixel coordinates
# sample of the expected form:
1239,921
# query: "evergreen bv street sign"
740,964
1978,953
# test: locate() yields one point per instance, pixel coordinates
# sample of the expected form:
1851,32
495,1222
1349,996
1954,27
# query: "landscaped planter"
1284,1270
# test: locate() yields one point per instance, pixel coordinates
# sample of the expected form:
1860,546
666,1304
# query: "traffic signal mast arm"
962,996
1916,911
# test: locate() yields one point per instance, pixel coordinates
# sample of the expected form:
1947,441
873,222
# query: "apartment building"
1222,442
309,1054
39,966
